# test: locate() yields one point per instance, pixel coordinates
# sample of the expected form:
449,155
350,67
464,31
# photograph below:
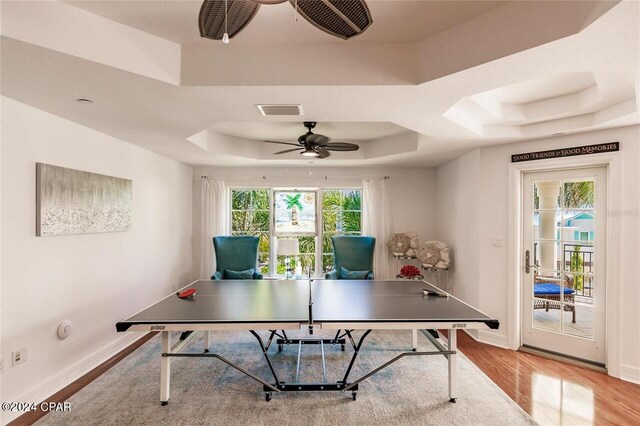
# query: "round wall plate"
64,329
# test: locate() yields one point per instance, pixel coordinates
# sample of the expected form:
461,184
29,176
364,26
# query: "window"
252,213
250,216
341,215
306,258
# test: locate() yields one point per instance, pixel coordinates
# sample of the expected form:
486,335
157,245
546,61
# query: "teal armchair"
353,253
237,253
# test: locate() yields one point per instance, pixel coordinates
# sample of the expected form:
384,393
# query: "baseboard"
630,373
44,390
491,338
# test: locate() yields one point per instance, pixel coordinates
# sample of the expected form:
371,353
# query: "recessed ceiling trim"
280,109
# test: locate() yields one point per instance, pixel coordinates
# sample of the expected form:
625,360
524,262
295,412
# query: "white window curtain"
214,220
376,222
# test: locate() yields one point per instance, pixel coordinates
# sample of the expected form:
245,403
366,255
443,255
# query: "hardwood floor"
552,392
555,393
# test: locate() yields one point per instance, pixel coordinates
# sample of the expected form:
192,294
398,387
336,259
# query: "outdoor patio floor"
551,320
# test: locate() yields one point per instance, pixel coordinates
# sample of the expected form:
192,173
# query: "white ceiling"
195,107
544,88
548,105
395,21
353,131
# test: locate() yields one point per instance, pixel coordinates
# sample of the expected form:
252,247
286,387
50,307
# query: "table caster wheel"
342,347
267,396
163,403
354,395
280,347
452,400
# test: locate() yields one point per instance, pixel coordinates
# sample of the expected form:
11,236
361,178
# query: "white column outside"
548,192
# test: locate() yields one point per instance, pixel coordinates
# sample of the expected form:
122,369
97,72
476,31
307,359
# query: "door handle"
527,262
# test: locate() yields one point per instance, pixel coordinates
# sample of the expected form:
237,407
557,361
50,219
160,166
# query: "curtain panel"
214,220
376,222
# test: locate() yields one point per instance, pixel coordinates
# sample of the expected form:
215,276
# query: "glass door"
564,241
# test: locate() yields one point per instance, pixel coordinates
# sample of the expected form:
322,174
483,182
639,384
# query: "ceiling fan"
315,145
340,18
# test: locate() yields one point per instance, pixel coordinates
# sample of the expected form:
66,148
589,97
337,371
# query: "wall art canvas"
71,201
295,212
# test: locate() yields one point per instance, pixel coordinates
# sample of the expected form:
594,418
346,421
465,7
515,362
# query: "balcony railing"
577,260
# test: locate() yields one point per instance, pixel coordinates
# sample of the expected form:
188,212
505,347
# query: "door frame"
590,348
613,245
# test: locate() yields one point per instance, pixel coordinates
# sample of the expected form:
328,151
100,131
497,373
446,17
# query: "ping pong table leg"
414,340
165,368
453,364
207,340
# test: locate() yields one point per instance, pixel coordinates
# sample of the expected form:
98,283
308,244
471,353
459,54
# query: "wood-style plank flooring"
553,392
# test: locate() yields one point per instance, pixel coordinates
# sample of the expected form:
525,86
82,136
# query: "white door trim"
613,162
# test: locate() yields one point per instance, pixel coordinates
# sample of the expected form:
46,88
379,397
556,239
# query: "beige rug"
205,391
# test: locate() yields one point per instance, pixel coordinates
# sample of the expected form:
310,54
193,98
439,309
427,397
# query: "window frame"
319,236
319,258
268,232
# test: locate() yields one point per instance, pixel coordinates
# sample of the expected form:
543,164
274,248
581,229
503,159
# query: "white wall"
412,192
457,218
482,178
95,279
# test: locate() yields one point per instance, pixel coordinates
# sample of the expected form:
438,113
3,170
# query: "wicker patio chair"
548,288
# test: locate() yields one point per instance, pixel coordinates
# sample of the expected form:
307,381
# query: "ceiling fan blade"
341,146
323,153
284,143
212,18
316,139
288,150
344,19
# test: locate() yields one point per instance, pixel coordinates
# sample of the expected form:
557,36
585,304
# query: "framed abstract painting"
72,201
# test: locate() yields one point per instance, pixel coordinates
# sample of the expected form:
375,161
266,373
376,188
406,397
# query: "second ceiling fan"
315,145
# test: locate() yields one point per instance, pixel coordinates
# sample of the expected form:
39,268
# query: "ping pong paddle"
427,292
187,293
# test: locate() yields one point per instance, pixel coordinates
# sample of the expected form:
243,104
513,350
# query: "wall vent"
271,109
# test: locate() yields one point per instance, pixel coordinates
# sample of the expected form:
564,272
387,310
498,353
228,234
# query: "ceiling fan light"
310,153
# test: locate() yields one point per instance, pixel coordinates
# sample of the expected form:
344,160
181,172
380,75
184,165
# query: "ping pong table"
275,307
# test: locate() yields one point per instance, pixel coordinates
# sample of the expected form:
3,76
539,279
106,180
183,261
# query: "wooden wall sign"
566,152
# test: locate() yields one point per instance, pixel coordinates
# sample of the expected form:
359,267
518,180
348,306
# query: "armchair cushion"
346,274
331,275
247,274
550,288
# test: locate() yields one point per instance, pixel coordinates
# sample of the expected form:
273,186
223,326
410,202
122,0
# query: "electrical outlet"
19,356
496,242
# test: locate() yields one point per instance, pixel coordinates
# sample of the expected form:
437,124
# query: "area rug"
205,391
